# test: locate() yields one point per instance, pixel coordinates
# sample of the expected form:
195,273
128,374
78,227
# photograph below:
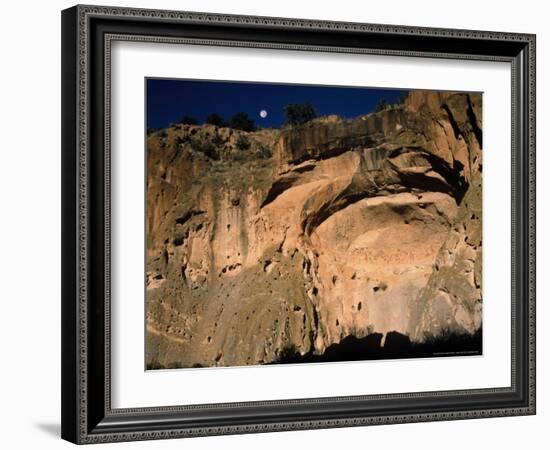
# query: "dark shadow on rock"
397,343
352,348
396,346
450,343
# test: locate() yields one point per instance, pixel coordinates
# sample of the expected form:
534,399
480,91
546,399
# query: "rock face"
298,238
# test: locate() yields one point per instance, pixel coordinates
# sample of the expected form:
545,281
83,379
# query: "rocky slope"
298,238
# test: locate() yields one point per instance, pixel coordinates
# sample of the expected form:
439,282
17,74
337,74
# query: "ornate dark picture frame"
87,34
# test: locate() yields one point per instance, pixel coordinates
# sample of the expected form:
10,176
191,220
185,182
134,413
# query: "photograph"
290,223
274,221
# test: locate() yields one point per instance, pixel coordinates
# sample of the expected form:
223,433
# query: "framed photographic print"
281,224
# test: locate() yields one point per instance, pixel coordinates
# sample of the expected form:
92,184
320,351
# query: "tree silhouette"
215,119
400,100
188,120
241,121
381,105
298,113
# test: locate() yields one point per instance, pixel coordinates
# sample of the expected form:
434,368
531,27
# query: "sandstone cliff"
298,238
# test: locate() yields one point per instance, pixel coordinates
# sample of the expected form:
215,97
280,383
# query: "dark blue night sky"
169,100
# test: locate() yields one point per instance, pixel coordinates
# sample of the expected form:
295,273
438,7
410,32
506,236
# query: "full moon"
263,113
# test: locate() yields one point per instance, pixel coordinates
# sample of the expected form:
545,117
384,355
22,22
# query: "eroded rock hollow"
298,238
